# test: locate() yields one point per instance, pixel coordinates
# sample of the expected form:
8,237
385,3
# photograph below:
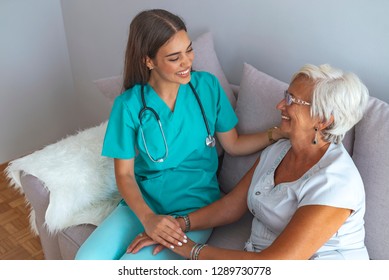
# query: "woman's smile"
184,74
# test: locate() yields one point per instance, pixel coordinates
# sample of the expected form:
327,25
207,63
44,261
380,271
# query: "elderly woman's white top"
333,181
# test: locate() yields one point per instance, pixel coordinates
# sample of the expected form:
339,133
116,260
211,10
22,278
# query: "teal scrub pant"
109,241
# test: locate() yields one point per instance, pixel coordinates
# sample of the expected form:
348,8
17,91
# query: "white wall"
37,99
275,36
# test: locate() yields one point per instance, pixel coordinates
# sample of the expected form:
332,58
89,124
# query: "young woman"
161,136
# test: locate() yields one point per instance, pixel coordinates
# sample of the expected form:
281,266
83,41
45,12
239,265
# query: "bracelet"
195,252
270,134
187,222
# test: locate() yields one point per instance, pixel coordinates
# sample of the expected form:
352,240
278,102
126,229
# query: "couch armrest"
72,238
38,197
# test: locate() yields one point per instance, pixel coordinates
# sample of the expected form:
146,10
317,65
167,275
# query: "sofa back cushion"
371,156
207,60
256,110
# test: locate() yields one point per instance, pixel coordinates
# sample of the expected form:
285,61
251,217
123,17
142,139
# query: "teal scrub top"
186,179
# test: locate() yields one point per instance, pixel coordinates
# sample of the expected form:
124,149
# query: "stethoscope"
209,140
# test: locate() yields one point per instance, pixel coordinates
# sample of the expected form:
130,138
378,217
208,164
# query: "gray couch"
254,101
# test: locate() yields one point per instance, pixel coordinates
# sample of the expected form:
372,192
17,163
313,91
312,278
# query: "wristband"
187,222
195,252
270,134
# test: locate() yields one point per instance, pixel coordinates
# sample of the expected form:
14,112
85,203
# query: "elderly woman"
305,193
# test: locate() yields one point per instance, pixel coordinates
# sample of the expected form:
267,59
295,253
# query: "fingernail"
185,237
171,247
185,241
179,244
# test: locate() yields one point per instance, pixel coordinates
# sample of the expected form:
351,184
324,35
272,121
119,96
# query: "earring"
315,139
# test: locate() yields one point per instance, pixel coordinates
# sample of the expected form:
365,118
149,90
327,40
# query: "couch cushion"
110,87
232,236
256,110
371,156
205,60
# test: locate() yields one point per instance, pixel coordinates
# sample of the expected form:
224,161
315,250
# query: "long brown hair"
149,30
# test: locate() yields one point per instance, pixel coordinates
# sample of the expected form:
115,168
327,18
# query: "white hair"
338,94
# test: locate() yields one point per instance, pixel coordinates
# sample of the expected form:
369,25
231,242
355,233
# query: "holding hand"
163,230
143,240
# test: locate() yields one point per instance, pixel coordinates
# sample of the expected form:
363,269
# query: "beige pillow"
256,110
206,60
110,87
371,156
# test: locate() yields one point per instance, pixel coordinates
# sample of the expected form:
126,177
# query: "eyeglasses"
289,99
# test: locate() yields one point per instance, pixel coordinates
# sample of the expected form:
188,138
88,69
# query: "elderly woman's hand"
143,240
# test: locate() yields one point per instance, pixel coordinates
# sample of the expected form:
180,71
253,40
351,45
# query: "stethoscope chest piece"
210,141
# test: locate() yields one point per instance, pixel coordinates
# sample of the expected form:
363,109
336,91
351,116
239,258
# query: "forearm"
245,144
129,189
188,251
162,229
130,192
213,253
208,217
224,211
308,230
227,209
250,143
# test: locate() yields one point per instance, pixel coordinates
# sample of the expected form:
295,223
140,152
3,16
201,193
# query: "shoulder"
272,155
127,104
334,181
275,150
130,96
338,161
338,166
201,77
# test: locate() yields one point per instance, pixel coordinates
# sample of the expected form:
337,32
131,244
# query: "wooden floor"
16,240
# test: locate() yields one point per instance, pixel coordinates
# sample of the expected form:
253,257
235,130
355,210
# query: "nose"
281,105
187,59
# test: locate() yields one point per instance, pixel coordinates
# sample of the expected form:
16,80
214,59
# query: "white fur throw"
80,181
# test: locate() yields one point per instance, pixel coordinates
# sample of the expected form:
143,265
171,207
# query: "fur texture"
81,182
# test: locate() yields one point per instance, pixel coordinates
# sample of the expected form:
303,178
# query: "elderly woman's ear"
325,124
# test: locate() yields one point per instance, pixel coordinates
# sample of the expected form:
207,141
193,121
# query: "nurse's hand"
164,230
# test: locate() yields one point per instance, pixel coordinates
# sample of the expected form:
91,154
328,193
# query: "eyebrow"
294,96
291,94
177,53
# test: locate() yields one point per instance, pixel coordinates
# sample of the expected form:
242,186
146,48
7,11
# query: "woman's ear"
149,63
325,124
